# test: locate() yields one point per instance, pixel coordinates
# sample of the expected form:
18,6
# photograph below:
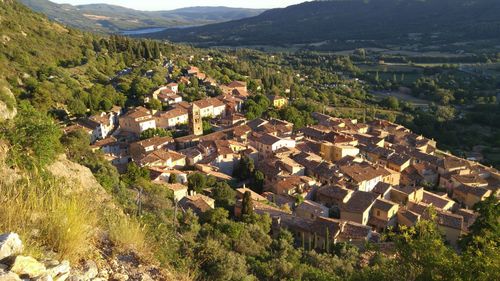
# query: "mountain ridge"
338,22
114,18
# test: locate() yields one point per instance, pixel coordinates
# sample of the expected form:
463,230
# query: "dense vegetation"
330,25
112,19
52,69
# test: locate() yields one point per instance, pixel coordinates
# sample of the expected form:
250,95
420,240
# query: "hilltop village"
340,180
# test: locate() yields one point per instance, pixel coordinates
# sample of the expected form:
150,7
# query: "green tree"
247,204
391,102
34,137
258,181
480,247
77,107
224,195
173,178
245,168
155,132
155,104
135,174
197,182
415,261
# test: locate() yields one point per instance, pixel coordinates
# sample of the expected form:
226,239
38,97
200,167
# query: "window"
378,213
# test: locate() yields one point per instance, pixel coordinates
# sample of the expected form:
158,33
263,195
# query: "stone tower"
195,123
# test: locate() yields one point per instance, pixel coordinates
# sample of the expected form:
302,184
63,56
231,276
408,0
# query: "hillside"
68,202
111,18
344,24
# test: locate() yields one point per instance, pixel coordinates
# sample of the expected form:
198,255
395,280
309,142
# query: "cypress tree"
247,204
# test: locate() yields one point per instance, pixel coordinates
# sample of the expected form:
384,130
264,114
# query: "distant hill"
344,23
111,18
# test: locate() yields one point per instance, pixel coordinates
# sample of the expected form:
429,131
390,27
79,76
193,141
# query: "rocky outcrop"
121,267
14,266
81,179
10,245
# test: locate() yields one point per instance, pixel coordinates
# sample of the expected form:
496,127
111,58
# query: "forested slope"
375,23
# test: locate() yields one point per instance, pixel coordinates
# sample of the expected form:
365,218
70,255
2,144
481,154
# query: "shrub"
34,138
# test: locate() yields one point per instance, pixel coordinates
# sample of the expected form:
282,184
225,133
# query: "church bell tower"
195,123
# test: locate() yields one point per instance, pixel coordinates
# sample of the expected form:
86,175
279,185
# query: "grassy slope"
33,41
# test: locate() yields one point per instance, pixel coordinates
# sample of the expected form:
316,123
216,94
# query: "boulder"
59,272
9,276
27,266
10,245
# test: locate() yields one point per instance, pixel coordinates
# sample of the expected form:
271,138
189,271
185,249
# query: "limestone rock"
146,277
90,270
7,103
10,245
9,276
120,277
59,272
27,266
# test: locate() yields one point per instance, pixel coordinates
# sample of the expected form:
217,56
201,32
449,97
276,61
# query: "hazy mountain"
111,18
342,22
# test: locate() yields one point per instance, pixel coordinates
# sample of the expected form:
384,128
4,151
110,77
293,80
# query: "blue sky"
174,4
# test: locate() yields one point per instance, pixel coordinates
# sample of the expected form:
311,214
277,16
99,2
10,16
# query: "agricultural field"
403,73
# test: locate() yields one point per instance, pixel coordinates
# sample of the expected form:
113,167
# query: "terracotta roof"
435,200
419,208
311,207
176,186
103,119
172,113
237,84
255,196
105,142
383,205
334,191
161,155
470,179
477,191
289,183
452,162
198,203
352,230
266,139
360,172
138,112
204,103
154,141
409,215
359,202
399,159
450,220
381,188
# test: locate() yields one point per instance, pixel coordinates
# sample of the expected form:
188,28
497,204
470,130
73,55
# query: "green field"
406,74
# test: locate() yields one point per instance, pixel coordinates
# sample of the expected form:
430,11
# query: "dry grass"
46,215
126,233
